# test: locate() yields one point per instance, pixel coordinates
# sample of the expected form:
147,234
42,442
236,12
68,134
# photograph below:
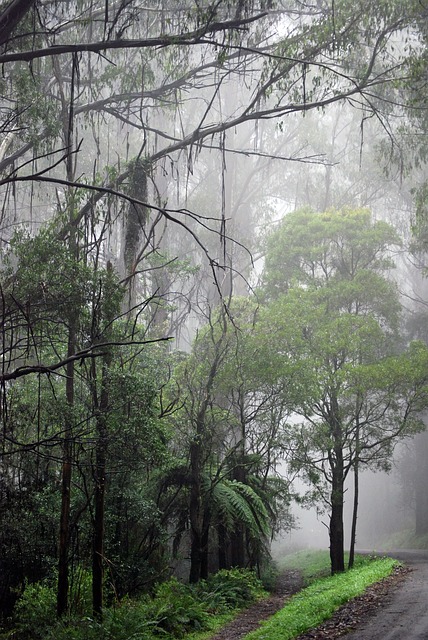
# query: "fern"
238,502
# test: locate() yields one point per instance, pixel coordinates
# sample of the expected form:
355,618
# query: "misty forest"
214,230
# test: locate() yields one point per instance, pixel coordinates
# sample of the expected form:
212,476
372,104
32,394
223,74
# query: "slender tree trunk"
356,497
64,527
337,556
337,552
195,509
198,509
238,537
102,408
100,485
205,546
200,526
66,474
354,518
63,573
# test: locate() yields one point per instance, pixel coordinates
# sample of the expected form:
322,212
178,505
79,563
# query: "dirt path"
288,583
394,609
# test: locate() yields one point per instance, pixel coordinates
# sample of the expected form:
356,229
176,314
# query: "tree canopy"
331,327
147,385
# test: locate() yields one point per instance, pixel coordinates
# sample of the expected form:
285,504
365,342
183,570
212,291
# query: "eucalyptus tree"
99,100
333,319
235,498
68,98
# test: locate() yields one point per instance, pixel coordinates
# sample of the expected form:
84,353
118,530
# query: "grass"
406,539
317,602
312,563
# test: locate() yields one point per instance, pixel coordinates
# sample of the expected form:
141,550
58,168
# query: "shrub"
176,610
35,610
123,622
230,589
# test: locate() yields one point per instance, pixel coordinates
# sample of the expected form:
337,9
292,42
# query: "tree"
333,320
101,100
235,500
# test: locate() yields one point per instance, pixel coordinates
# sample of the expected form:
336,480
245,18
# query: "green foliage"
330,333
36,111
35,611
238,502
312,249
230,589
174,611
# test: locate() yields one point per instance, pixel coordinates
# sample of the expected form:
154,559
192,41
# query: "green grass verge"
316,603
312,563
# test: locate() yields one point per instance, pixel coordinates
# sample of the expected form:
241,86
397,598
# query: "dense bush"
174,610
35,610
234,588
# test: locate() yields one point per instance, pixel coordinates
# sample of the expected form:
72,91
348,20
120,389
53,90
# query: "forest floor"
364,609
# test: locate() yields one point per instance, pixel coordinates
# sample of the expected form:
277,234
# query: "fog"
213,220
385,512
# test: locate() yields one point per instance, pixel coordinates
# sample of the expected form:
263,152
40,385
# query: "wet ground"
288,583
403,614
394,609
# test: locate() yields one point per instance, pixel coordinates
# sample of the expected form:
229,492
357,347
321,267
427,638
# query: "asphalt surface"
405,615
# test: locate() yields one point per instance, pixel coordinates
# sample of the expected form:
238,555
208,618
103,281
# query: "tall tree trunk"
99,499
356,497
66,474
222,546
337,556
238,537
238,546
354,517
205,546
63,577
337,553
64,527
195,510
101,408
199,514
134,224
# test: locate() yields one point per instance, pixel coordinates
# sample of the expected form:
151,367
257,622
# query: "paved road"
405,616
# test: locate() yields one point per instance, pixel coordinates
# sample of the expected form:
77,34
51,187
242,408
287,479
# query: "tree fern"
235,502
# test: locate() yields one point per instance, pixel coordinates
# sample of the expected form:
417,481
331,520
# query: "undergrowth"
175,610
